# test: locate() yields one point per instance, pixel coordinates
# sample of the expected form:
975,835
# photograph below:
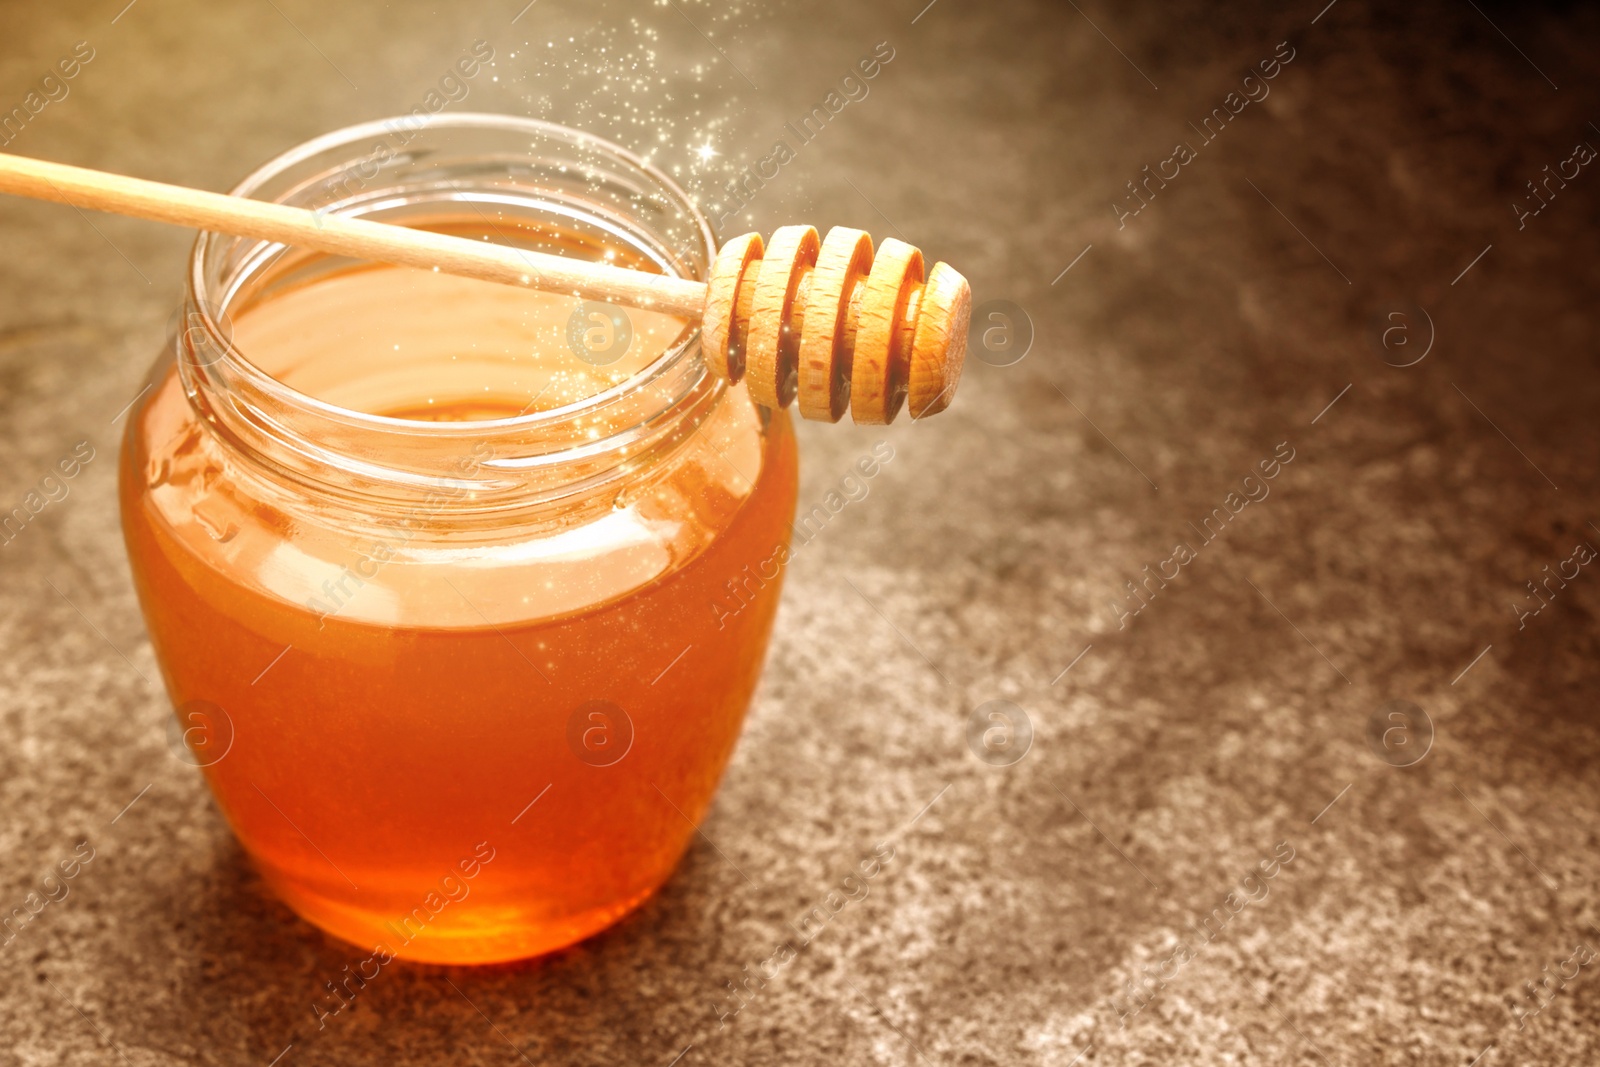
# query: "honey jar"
436,570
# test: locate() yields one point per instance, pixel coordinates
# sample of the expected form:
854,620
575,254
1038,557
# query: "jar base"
488,940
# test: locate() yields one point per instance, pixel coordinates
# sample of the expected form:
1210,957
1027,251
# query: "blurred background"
1372,272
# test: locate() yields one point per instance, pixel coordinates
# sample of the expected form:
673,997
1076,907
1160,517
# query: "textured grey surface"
1171,759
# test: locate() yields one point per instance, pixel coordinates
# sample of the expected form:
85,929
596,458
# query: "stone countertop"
1091,902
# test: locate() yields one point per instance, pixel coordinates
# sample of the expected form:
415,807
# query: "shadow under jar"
437,570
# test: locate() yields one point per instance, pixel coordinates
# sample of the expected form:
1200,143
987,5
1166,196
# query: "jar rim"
239,364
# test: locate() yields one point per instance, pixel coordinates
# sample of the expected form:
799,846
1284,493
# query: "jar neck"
554,179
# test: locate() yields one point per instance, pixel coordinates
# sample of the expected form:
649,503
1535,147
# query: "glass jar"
460,590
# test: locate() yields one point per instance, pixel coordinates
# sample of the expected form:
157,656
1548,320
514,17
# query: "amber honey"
454,590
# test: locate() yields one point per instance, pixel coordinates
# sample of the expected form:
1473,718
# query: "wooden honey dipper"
822,320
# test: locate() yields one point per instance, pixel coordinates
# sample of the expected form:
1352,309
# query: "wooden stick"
828,321
341,236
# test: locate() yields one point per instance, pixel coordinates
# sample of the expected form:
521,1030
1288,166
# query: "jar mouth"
467,158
